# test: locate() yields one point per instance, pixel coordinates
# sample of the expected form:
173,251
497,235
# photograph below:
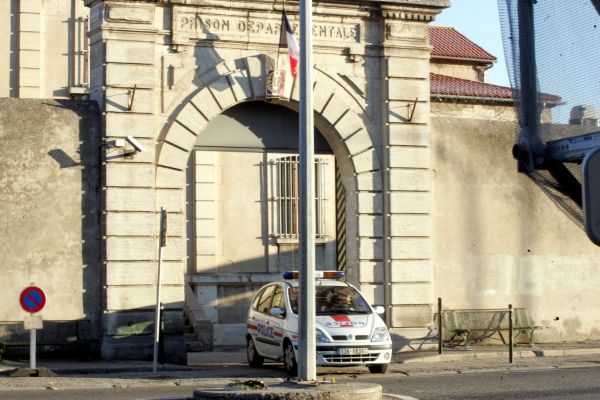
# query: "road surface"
548,384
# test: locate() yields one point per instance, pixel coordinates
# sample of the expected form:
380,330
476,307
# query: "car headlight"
380,334
321,338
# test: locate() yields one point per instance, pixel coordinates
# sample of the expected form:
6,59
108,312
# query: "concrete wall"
500,240
482,113
457,69
50,230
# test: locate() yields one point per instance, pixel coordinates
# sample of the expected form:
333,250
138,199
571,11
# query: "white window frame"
284,196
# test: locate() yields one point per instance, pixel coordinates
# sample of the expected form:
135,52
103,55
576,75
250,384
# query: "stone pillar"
408,269
126,83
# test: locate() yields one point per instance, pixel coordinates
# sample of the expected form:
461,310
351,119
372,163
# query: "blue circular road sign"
32,299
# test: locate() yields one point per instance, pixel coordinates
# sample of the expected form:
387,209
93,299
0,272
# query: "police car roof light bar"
318,274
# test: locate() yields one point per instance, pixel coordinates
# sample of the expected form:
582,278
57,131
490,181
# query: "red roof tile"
442,85
450,86
448,42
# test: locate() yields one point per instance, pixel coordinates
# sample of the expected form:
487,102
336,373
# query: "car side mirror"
379,309
277,312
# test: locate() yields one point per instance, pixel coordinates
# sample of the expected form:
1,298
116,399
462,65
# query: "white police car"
348,330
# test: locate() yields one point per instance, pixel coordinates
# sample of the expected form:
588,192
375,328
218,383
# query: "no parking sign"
32,299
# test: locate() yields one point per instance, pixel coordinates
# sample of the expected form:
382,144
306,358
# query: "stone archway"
340,122
148,55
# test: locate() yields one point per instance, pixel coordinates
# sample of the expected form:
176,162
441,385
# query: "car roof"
319,282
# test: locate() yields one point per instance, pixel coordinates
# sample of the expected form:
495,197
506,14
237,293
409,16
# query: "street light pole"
307,370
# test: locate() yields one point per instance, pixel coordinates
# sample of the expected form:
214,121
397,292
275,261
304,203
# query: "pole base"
31,372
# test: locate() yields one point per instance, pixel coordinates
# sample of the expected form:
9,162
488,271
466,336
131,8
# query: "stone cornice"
407,10
415,10
409,15
228,3
421,3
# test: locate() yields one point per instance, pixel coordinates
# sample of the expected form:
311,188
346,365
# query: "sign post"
32,299
162,242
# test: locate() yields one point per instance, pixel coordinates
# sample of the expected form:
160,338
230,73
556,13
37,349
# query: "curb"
491,355
297,391
85,370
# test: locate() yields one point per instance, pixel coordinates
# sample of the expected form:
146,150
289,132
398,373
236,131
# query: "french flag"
292,44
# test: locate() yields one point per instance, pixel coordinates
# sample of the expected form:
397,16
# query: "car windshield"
332,300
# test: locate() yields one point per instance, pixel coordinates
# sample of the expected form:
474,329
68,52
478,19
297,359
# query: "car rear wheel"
378,368
289,359
255,360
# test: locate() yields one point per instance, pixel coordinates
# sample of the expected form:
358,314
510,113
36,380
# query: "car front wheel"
378,368
289,359
255,360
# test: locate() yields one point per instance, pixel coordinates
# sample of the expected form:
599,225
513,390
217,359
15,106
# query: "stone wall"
161,72
50,230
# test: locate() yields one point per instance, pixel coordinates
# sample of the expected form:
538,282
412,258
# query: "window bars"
286,197
80,52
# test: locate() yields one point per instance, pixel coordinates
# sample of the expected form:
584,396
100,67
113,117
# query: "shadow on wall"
57,339
52,234
91,245
130,334
63,159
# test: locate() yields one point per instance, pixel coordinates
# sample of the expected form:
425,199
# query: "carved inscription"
195,26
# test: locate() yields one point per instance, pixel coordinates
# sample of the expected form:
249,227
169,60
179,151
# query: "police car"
348,330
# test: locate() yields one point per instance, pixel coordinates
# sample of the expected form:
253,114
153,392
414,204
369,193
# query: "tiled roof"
450,86
448,42
442,85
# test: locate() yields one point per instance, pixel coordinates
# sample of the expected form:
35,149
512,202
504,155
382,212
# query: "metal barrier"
478,324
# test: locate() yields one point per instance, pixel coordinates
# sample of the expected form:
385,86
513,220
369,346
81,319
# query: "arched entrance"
244,208
241,216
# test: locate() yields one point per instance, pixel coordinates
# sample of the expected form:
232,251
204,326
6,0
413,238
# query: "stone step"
192,347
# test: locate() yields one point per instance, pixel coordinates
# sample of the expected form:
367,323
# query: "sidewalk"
432,356
499,352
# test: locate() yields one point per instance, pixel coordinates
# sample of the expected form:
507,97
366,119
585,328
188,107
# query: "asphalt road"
547,384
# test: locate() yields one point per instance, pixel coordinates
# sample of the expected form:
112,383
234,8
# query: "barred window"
286,197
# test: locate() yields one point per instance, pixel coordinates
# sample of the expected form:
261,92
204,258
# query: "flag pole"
307,370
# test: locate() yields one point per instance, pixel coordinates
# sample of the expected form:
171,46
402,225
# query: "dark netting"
558,111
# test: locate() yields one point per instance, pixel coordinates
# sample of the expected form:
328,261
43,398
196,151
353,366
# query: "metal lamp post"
307,370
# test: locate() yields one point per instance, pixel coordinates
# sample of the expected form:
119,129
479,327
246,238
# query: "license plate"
353,351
